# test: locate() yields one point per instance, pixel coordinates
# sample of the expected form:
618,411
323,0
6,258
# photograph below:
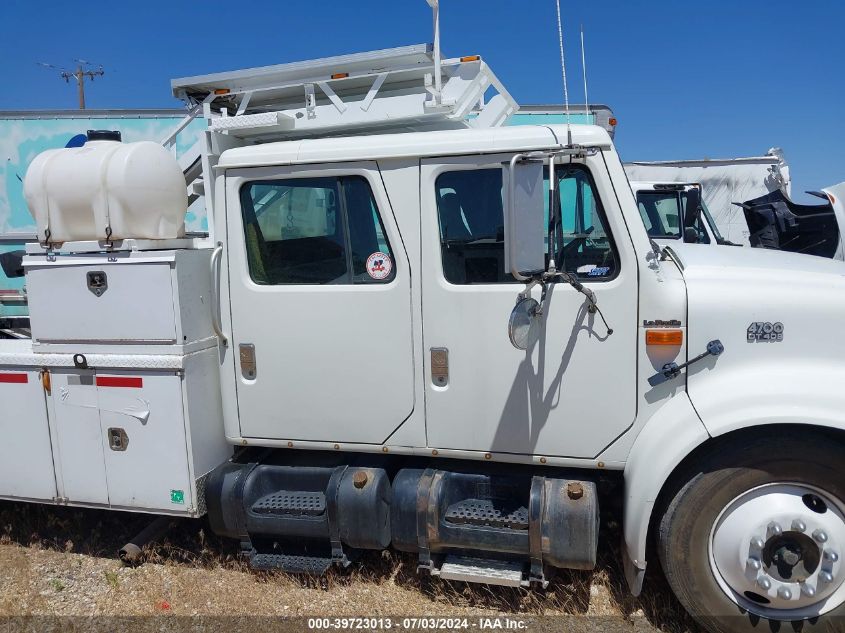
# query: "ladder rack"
380,91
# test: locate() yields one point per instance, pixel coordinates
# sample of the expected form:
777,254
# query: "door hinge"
46,381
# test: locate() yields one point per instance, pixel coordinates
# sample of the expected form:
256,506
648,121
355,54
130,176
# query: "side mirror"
525,223
12,263
690,235
524,323
693,208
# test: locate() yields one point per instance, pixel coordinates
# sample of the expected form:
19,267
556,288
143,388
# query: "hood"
779,316
696,259
777,222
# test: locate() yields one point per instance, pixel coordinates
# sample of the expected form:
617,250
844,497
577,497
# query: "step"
291,503
482,513
291,563
485,571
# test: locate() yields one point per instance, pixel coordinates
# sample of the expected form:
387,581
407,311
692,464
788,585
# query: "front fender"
805,391
671,434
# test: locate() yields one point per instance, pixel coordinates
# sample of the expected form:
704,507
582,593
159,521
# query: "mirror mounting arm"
592,302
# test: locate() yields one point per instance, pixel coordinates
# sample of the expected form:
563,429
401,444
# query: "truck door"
572,392
320,304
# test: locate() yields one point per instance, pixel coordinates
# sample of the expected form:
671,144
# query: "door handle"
215,293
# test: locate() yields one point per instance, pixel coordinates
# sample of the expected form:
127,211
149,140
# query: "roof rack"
384,90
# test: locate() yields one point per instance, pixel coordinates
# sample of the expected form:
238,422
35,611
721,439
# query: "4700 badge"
765,332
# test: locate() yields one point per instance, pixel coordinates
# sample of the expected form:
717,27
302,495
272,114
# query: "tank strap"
536,506
331,514
423,503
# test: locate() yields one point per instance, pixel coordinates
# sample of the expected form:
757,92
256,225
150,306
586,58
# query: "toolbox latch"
118,439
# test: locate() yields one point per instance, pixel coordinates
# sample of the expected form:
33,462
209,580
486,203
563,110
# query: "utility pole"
80,74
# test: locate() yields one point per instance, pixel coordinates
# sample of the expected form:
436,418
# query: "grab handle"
215,293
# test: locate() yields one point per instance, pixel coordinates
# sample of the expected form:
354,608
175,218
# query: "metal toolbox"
135,432
143,301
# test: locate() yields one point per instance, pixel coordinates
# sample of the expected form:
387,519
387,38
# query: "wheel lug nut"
764,583
808,591
775,528
798,525
831,556
757,542
754,564
784,593
820,536
826,576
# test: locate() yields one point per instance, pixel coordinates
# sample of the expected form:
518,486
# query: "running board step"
482,513
488,572
291,563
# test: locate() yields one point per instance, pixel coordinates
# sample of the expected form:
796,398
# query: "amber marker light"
340,75
664,337
221,91
470,58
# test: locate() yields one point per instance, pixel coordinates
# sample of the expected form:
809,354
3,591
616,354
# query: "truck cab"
667,210
409,327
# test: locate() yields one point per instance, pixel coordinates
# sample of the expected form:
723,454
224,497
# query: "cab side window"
471,218
583,245
314,231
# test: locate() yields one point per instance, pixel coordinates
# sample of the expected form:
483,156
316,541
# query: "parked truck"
413,328
676,213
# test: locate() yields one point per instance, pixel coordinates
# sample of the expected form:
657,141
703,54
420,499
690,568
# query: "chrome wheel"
775,551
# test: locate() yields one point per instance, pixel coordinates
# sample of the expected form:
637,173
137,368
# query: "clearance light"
470,58
664,337
340,75
832,199
612,121
222,91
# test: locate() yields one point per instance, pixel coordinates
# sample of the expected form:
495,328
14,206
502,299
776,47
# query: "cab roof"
413,145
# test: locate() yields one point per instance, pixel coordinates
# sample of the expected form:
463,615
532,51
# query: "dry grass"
63,561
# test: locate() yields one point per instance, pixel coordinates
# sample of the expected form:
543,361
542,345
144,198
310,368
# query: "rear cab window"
314,231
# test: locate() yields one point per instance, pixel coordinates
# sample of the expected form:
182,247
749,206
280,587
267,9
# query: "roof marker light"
612,121
470,58
340,75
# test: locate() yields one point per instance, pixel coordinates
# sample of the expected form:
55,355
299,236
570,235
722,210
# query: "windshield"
662,213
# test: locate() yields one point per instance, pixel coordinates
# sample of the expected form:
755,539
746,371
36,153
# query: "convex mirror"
524,323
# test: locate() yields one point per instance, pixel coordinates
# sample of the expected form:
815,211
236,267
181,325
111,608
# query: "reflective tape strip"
119,381
18,379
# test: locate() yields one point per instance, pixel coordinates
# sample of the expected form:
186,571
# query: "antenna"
584,71
79,75
435,10
563,68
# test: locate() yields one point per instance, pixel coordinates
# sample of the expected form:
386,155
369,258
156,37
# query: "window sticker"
379,265
591,270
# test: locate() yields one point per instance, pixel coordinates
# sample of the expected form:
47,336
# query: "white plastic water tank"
107,190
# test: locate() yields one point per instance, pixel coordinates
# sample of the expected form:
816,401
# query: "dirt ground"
59,566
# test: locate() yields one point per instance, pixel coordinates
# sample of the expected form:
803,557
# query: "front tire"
757,531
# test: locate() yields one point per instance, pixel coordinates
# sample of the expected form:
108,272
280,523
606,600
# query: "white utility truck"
416,328
724,181
675,213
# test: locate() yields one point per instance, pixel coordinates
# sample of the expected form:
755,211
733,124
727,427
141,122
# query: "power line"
80,75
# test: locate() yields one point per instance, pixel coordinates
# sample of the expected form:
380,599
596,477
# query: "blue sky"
685,79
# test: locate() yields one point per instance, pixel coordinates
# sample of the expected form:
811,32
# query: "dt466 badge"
765,332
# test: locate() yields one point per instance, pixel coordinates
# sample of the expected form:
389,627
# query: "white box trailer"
405,356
